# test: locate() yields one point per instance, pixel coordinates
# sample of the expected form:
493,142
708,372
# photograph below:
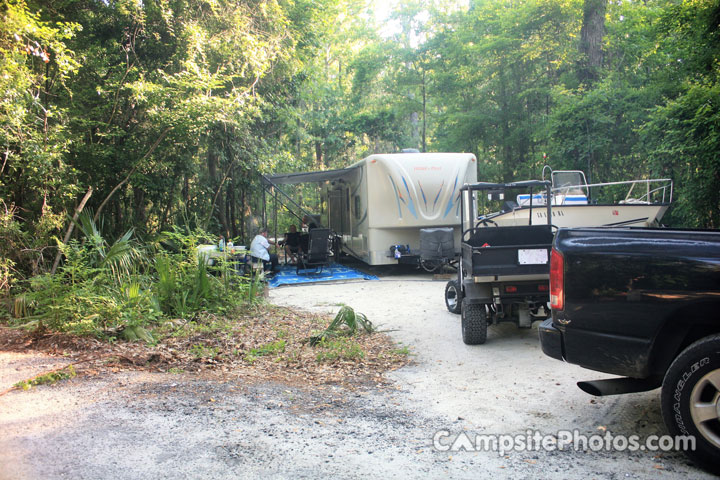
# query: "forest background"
157,116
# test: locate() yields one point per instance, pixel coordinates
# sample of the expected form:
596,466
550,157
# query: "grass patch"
204,351
401,351
272,348
339,349
50,378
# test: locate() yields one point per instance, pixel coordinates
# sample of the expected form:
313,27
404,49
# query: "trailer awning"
310,177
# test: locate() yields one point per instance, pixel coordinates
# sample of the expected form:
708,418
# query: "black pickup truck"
643,304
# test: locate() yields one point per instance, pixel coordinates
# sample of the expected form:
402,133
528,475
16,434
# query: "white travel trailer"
383,201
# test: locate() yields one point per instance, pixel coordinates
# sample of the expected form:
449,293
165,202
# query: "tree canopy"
165,112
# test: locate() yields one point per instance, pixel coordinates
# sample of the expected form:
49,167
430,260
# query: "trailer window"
358,206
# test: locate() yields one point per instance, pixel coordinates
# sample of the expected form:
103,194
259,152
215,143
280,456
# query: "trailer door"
337,206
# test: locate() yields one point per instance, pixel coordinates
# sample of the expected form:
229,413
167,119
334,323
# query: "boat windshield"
569,182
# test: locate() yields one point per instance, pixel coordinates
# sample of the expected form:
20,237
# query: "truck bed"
631,294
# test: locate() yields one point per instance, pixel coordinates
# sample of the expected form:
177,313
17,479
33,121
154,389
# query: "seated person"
259,249
292,243
308,220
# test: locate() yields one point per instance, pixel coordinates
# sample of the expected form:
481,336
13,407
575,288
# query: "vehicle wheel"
474,323
453,296
691,400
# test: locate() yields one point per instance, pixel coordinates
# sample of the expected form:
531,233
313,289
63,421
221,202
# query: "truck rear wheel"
474,323
691,400
453,296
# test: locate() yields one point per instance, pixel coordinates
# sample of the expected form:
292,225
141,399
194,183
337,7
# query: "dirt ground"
147,425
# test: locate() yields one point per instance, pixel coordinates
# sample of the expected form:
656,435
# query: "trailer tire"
474,323
691,400
453,296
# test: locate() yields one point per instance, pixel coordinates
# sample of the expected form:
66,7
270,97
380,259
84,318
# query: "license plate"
535,256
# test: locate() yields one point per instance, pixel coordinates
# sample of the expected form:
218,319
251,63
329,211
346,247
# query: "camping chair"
318,253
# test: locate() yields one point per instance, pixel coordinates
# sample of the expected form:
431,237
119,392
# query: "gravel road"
138,425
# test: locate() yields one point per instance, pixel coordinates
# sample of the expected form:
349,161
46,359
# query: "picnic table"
238,256
211,252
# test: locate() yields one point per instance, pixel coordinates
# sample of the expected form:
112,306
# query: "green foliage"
204,351
183,284
34,58
499,64
272,348
339,349
684,139
169,110
50,378
402,351
133,334
112,290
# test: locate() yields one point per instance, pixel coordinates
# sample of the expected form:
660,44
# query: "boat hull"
623,215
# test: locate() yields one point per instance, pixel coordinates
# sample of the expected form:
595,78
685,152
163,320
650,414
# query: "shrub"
106,289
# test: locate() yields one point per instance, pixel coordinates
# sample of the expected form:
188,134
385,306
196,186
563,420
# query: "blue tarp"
287,275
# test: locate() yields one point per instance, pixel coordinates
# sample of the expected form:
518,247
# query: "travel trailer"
377,207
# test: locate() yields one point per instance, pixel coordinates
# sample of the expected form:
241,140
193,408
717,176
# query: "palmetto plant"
97,287
112,289
119,257
183,286
346,322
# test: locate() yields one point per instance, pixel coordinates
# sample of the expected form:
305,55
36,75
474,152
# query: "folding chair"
318,252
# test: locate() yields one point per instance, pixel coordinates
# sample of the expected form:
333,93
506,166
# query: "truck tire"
691,400
474,323
453,296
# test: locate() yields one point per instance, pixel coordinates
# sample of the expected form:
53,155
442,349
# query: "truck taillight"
557,280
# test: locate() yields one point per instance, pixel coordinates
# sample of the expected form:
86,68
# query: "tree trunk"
319,155
168,206
139,205
591,39
243,209
219,201
232,202
186,191
117,206
424,105
506,152
69,231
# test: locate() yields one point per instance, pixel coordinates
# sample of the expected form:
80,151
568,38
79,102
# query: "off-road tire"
691,400
453,297
474,323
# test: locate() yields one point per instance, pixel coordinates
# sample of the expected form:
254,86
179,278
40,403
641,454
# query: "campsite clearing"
133,424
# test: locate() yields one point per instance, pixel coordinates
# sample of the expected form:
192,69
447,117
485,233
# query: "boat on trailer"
575,203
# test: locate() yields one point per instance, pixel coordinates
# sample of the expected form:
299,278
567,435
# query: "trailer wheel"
474,323
691,400
453,296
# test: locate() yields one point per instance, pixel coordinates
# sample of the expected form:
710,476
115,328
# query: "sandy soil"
143,425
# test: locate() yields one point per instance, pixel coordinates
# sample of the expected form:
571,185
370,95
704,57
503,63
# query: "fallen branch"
78,210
